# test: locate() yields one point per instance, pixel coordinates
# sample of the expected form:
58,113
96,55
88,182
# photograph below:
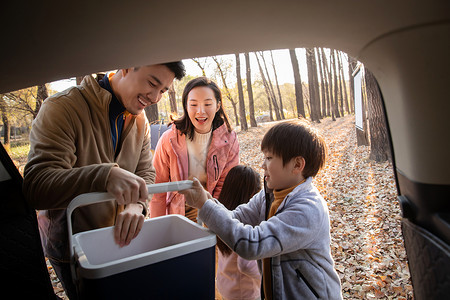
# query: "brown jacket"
71,153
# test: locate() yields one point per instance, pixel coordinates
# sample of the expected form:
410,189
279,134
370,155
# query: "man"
94,138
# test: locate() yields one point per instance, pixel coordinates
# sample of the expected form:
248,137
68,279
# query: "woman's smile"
202,107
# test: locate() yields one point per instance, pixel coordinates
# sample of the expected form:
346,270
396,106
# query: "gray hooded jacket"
297,238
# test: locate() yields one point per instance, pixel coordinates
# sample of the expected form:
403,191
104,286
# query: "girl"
237,278
200,144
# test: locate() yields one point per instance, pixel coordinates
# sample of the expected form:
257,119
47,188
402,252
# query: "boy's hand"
196,196
128,224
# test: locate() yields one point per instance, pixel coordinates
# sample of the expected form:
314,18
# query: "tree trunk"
235,110
310,84
335,101
270,108
202,67
313,84
6,126
227,91
344,86
151,112
323,104
379,141
362,138
251,106
298,84
351,67
266,87
339,83
316,87
172,99
328,83
342,105
270,88
278,86
6,131
244,126
42,94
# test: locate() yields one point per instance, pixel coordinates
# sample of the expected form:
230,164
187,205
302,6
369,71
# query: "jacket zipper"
300,276
216,167
117,134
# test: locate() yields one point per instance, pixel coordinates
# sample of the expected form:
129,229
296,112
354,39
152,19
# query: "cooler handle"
81,200
96,197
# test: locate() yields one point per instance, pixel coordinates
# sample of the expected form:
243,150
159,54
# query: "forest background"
312,83
260,87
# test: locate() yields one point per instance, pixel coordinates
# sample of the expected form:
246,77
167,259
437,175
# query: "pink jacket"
237,278
171,163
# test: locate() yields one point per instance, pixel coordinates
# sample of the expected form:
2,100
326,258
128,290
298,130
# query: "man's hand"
196,196
126,187
128,224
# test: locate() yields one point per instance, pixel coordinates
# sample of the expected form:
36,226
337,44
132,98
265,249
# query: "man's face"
140,88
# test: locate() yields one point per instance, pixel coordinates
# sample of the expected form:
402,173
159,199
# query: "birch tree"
313,85
297,84
227,90
335,99
278,86
270,89
266,87
244,126
251,106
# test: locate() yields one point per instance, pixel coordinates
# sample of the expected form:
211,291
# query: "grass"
19,152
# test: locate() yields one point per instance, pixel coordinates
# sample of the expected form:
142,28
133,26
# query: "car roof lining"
46,42
97,37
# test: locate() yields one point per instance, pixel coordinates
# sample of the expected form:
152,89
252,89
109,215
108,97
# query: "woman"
200,144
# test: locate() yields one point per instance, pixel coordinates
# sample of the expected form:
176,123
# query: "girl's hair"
241,183
184,124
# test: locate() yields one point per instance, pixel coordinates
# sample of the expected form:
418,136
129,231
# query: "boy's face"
279,177
140,88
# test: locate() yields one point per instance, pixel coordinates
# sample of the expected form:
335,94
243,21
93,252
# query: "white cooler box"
171,258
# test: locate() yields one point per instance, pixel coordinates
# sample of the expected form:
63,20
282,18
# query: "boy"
290,230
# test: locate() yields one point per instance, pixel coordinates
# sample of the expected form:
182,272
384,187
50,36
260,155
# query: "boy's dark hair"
184,124
289,140
177,67
239,186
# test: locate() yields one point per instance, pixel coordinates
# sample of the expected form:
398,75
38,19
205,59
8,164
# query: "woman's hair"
289,140
241,183
184,124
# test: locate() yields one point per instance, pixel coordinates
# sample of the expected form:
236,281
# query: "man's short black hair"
177,67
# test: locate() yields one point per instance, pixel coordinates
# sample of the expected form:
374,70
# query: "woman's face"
201,108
